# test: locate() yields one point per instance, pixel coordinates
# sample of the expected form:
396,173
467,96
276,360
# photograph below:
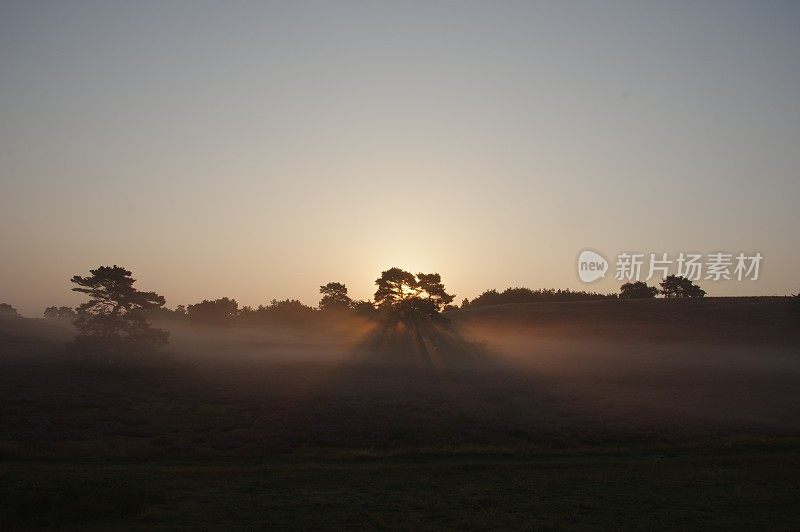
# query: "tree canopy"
60,313
334,296
405,294
676,286
217,311
116,312
637,290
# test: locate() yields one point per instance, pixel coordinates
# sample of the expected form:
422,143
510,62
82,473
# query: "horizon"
259,151
77,297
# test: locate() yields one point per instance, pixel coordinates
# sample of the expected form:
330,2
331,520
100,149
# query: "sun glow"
409,291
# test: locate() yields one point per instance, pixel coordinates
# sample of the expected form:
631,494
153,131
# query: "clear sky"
257,150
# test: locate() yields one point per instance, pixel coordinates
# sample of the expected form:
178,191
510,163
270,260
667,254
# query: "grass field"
745,488
608,414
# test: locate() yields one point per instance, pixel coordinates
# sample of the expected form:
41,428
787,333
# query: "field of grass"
732,488
608,414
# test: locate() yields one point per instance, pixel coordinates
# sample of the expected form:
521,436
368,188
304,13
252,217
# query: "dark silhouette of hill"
711,319
35,337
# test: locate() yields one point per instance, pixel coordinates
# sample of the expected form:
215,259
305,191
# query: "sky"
257,150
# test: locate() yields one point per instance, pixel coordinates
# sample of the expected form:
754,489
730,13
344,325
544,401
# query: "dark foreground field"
739,488
611,414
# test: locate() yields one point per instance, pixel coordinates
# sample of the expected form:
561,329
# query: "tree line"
526,295
115,324
673,286
117,318
398,291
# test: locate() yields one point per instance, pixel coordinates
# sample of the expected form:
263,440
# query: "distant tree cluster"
405,295
60,313
287,311
217,311
7,311
526,295
637,290
334,297
672,287
675,286
226,311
